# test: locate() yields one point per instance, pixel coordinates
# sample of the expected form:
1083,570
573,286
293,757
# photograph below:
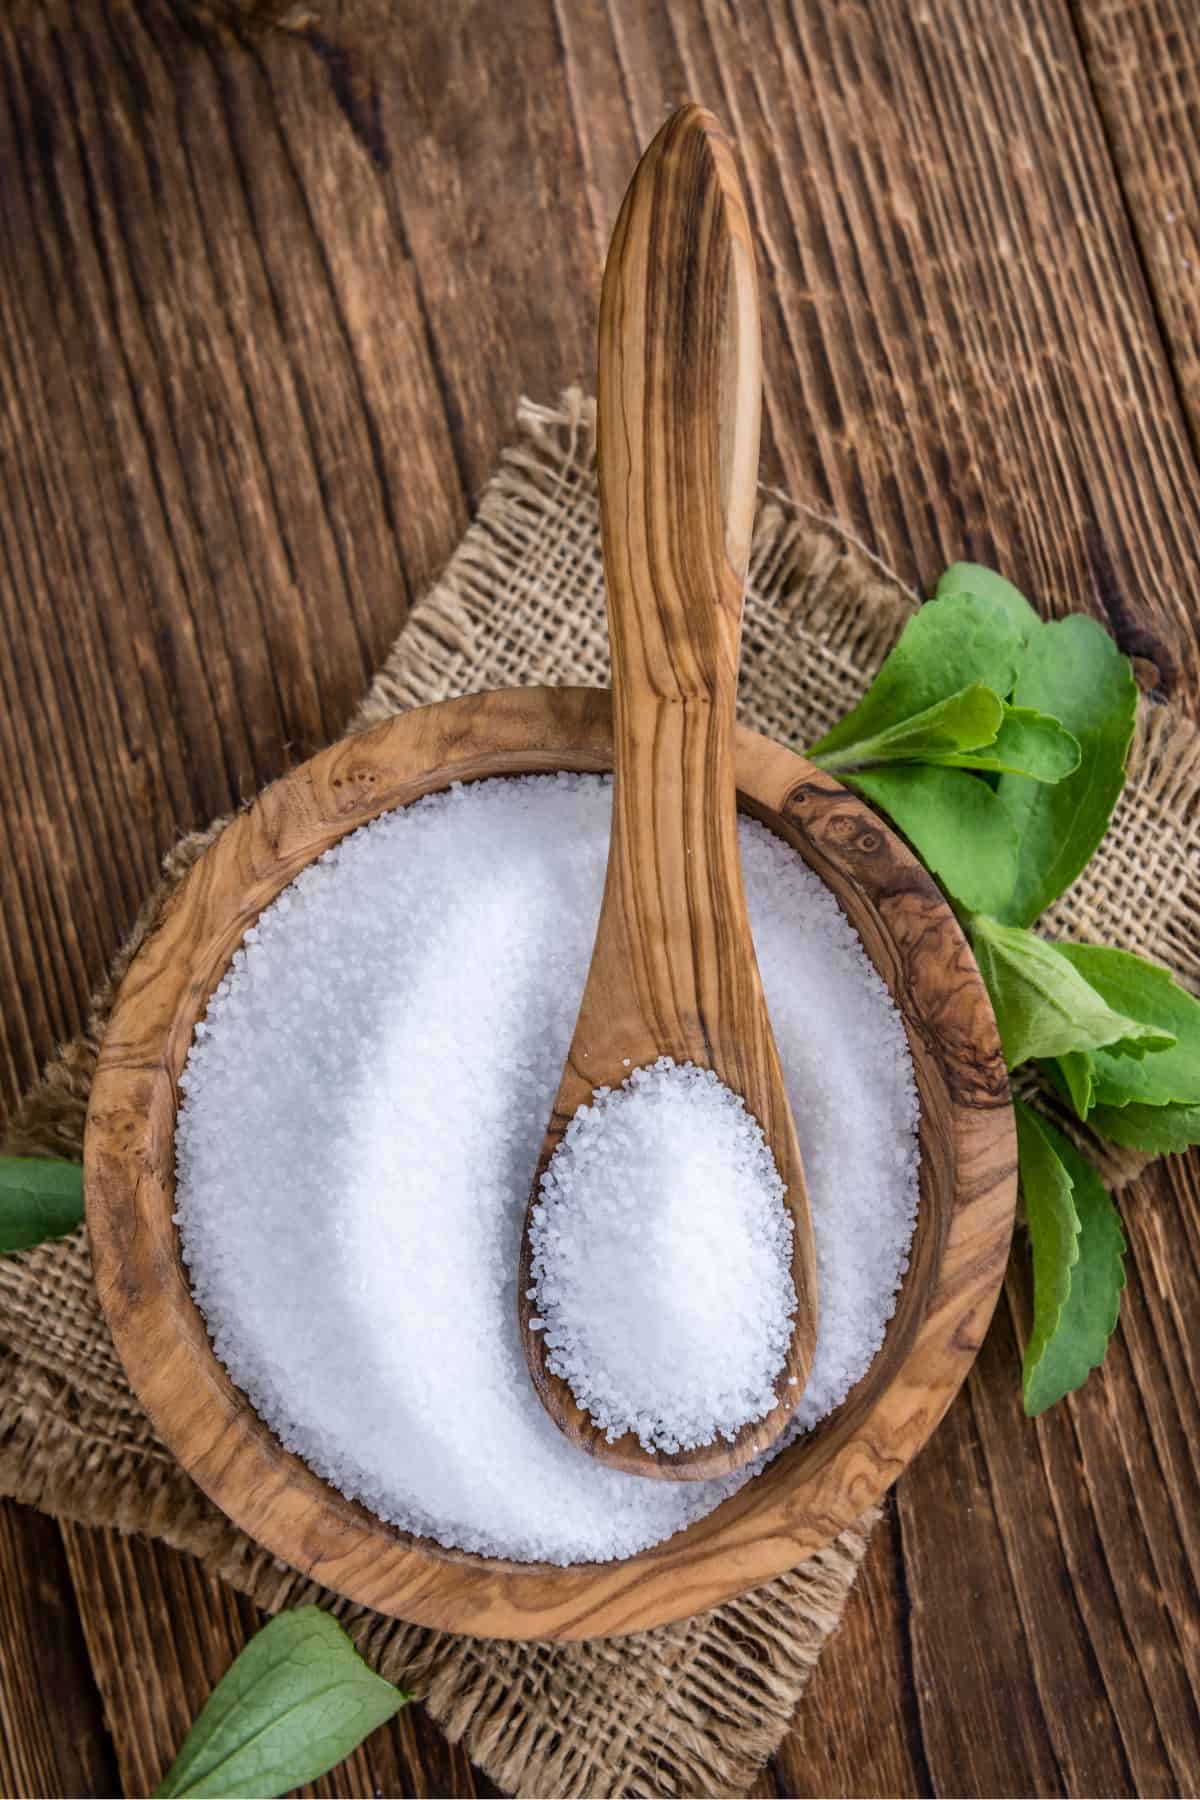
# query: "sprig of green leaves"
298,1699
1120,1040
1038,715
997,743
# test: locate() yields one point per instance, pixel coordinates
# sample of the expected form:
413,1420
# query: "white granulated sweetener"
661,1263
363,1109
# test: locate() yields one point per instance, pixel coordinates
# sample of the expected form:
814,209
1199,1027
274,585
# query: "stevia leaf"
985,584
954,822
1027,743
1076,1068
1072,670
947,646
961,722
1089,1317
298,1699
39,1198
1143,990
1071,1329
1043,1005
1157,1130
1053,1233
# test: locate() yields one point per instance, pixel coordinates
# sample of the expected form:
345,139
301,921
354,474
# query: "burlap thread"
696,1707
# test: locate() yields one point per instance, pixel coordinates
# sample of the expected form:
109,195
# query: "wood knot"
839,825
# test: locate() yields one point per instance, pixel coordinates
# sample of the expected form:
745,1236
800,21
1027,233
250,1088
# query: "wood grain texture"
857,1731
814,1488
1145,71
1095,1509
961,355
673,971
962,358
209,1624
52,1735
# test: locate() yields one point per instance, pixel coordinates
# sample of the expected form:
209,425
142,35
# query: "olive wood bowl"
814,1488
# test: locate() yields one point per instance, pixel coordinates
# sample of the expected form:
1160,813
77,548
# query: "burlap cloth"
692,1708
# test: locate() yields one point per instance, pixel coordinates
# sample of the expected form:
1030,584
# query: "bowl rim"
814,1489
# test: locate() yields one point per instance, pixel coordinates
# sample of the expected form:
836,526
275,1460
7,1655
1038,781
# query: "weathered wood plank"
52,1735
227,466
162,1633
961,356
1144,61
1069,1661
857,1732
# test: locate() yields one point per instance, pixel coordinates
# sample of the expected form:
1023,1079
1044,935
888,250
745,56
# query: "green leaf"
39,1198
961,722
1043,1006
1089,1317
298,1699
1142,990
1158,1130
1076,1070
1078,1274
1027,743
985,584
954,822
1053,1234
947,646
1072,670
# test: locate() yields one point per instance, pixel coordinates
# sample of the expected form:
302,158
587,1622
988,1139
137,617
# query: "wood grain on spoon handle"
680,382
679,396
673,970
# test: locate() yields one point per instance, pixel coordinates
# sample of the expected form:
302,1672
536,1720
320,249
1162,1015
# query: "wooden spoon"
673,971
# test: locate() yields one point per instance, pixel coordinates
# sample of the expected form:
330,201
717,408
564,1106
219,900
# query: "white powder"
662,1260
363,1110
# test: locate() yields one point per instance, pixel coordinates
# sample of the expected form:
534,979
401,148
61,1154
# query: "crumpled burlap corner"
692,1708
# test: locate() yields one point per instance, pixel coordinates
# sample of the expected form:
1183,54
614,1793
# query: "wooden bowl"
807,1495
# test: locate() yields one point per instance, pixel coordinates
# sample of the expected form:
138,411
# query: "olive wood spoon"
673,971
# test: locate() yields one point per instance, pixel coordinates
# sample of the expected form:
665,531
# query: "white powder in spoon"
661,1263
362,1113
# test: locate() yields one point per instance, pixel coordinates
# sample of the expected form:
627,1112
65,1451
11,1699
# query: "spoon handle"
680,388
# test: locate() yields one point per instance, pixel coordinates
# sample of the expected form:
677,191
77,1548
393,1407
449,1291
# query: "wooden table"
266,304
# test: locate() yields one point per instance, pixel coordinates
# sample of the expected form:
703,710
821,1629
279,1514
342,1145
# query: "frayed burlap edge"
690,1708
